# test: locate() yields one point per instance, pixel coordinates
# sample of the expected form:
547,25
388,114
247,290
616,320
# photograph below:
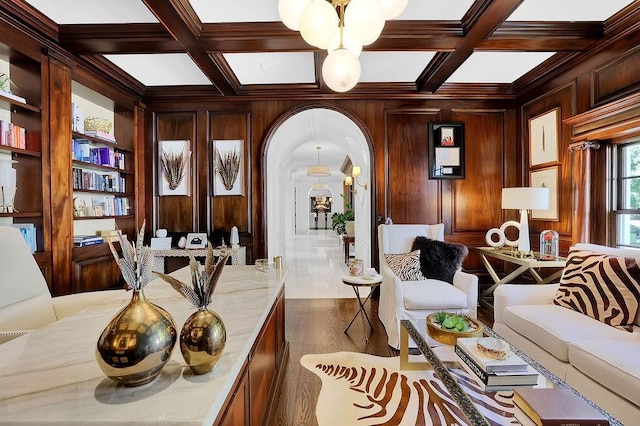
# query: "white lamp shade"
319,186
349,42
319,171
525,198
365,20
318,23
356,171
393,8
348,181
341,70
290,12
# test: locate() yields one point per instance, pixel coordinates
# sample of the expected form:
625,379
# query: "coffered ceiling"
240,47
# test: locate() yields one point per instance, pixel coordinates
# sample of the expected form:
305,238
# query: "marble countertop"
51,376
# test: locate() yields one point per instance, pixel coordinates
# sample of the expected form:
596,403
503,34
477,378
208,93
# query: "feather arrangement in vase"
137,342
203,336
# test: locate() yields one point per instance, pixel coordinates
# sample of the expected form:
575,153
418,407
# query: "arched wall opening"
287,188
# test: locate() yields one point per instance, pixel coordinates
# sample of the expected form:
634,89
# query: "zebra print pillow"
405,265
604,287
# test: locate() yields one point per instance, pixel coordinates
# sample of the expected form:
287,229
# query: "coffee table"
442,360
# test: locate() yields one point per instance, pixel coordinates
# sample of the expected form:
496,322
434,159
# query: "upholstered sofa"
600,361
416,299
25,300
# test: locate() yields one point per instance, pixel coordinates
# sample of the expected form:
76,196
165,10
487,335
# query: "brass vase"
137,342
202,340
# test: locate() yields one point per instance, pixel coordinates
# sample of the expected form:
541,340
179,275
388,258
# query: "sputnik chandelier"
342,27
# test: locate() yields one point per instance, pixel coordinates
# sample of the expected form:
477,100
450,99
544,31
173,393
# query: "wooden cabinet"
256,389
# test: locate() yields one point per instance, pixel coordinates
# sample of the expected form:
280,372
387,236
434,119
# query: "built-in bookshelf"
102,163
21,145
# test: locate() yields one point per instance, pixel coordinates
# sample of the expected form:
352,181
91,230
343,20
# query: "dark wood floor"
316,326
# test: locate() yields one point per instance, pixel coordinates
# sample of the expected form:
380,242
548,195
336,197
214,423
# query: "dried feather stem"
174,166
228,167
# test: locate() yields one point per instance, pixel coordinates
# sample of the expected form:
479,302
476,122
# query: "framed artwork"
228,167
196,240
546,178
174,167
543,138
446,150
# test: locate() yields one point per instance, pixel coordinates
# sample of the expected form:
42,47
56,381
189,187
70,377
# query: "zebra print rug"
361,389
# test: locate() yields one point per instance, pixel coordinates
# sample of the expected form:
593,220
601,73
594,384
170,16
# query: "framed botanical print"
446,150
546,178
543,138
174,167
228,167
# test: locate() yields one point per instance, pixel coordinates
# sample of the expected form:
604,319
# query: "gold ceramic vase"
137,342
202,340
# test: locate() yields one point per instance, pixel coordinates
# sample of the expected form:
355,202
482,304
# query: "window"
627,201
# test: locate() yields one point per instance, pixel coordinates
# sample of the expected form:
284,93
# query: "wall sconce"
353,179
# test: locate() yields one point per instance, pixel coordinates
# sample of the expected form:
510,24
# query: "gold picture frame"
544,134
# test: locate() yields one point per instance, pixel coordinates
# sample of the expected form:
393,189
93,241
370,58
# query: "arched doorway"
286,186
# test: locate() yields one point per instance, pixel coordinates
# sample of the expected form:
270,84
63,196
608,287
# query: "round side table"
356,282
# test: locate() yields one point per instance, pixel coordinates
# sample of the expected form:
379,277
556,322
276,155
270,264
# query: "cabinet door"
237,412
262,369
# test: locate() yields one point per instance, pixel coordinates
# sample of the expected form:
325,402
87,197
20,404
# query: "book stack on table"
86,240
494,374
554,407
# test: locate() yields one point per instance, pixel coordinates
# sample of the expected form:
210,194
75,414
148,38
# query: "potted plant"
339,221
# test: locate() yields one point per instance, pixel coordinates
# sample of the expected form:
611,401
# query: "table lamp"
525,199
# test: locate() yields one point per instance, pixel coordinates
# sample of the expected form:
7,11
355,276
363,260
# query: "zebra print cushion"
405,265
604,287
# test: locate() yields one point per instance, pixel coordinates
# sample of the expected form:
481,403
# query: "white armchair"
416,299
25,300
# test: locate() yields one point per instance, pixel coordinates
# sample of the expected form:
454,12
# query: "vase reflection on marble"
202,340
137,342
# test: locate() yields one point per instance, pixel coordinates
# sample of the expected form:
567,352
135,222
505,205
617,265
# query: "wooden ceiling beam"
480,28
181,21
91,39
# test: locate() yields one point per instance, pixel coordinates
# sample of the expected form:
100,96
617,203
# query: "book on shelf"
512,363
28,231
86,240
556,407
100,135
496,381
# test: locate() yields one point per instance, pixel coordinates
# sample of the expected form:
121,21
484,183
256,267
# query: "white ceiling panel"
395,67
567,10
165,69
236,11
94,11
497,67
269,68
433,10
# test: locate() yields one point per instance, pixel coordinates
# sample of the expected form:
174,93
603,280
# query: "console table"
525,264
50,376
238,255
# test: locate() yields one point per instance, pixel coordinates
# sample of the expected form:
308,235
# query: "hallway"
316,264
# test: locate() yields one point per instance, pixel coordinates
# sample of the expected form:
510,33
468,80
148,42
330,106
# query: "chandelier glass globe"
318,23
290,12
341,70
391,9
365,20
349,42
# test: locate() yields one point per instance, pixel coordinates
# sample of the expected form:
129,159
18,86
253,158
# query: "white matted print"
543,138
174,166
546,178
228,167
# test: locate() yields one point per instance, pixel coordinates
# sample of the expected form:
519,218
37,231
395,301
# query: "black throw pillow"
439,259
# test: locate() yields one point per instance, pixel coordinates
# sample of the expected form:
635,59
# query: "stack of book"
554,407
86,240
495,375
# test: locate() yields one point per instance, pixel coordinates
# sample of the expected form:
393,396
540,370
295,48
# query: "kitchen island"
50,376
